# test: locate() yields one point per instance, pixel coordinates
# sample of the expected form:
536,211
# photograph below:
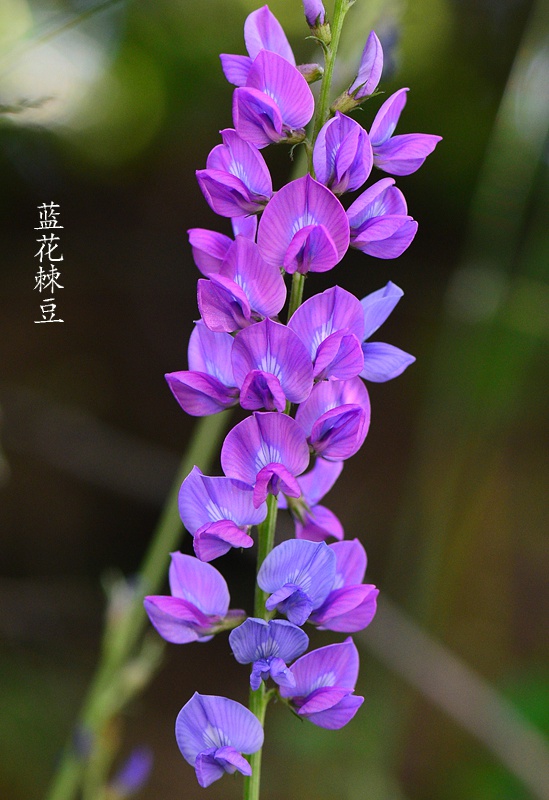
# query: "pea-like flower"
218,513
266,451
325,681
331,326
298,574
208,386
351,604
271,365
199,604
342,156
382,361
212,733
335,418
245,289
379,221
270,646
403,154
236,180
304,228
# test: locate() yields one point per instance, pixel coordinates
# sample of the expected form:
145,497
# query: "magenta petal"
370,69
315,13
339,356
261,283
339,433
387,118
402,155
319,480
342,156
262,31
244,161
276,349
297,205
348,609
261,390
199,394
199,583
297,563
382,362
312,249
329,396
380,199
322,699
223,305
245,226
351,562
178,621
215,539
272,479
210,352
318,525
236,68
278,79
226,194
256,117
378,305
378,242
333,665
339,715
209,249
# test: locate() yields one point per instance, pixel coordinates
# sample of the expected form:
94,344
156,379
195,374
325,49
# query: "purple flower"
313,521
217,512
331,326
213,732
270,646
208,386
198,607
262,31
236,180
315,14
382,362
133,774
398,155
271,365
336,418
325,682
210,248
266,451
370,69
244,290
274,104
298,574
342,156
304,228
351,605
380,225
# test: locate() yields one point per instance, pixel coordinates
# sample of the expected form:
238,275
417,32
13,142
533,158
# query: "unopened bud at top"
315,13
370,69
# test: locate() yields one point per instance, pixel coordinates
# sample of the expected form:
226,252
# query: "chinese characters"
49,255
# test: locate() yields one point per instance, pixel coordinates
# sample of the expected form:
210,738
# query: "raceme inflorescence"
302,380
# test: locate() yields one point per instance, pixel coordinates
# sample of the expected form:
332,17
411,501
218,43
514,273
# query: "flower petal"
370,69
404,154
262,31
339,715
199,394
378,305
236,68
387,118
382,362
319,480
177,620
199,583
304,564
318,524
217,538
209,249
278,79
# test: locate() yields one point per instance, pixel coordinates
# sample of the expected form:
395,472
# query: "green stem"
323,106
265,543
120,643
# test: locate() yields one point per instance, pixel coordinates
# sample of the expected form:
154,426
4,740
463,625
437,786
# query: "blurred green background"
107,110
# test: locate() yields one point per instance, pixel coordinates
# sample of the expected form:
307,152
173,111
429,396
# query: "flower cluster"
303,382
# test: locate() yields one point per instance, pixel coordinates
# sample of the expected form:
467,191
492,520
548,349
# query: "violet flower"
342,156
213,732
270,646
262,31
335,418
331,326
236,180
313,521
398,155
379,221
325,682
315,13
351,604
382,361
275,103
266,451
298,574
244,290
208,386
217,512
210,248
271,365
198,607
370,69
304,228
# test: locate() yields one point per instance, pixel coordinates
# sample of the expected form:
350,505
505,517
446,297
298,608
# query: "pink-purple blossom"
212,733
270,646
370,69
342,155
382,361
